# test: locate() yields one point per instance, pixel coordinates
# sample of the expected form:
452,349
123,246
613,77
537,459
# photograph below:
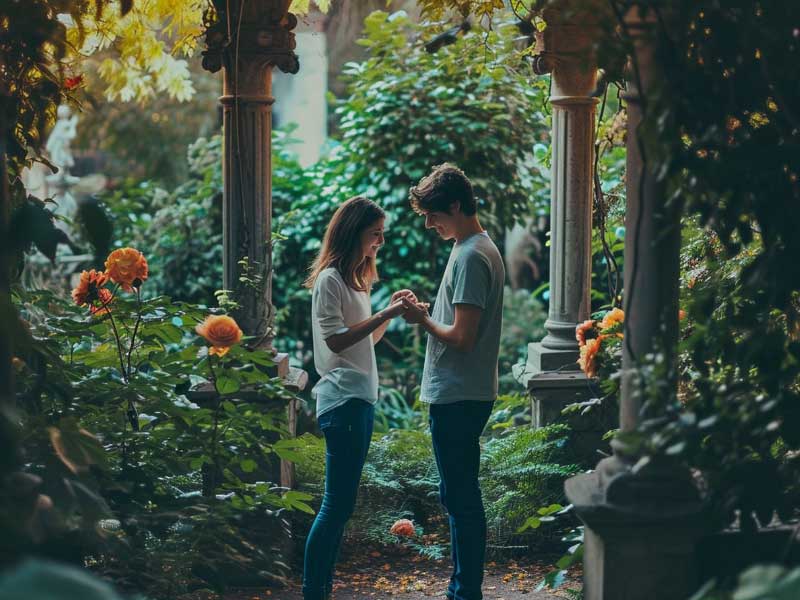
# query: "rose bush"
600,346
140,432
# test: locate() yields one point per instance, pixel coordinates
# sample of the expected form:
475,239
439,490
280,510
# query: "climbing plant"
729,157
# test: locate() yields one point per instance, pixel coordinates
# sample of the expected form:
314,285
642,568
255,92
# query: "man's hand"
399,294
415,312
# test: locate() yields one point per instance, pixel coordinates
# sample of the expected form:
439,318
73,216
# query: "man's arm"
461,335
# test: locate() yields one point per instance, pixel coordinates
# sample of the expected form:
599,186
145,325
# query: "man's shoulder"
482,249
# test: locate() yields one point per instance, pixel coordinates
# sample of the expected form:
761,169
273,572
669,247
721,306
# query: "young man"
459,379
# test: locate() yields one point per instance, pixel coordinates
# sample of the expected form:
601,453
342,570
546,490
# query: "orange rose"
614,316
127,267
90,287
588,353
403,527
582,329
221,332
681,314
101,306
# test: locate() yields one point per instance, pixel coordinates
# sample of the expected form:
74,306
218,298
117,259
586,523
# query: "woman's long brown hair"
341,245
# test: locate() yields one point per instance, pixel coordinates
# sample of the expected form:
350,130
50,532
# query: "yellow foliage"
144,53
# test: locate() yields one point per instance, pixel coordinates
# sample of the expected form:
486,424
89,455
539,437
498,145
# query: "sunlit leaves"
302,7
143,52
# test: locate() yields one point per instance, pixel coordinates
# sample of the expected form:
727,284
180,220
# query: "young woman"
345,332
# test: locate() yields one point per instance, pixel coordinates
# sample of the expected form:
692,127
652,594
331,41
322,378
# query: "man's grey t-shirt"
474,275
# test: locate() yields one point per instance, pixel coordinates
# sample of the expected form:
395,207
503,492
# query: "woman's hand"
395,309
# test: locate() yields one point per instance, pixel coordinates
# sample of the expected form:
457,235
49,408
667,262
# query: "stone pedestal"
640,534
542,359
551,393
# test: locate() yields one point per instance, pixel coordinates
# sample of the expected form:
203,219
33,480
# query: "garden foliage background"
168,491
144,498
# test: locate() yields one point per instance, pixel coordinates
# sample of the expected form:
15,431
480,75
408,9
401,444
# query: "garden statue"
58,144
60,155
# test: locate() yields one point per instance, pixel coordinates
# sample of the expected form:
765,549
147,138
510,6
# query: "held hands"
398,295
396,306
413,310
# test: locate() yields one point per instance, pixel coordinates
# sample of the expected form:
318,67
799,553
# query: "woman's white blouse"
352,373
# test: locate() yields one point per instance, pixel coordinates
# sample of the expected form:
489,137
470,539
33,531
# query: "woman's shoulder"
329,277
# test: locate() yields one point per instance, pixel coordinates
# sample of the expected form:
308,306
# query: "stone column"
565,49
249,41
641,523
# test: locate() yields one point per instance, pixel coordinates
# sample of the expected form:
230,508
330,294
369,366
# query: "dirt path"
416,578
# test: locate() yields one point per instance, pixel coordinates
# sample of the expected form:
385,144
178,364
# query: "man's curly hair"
438,191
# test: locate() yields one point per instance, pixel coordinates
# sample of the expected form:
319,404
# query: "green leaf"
104,355
227,385
530,523
166,332
260,357
294,499
248,465
287,449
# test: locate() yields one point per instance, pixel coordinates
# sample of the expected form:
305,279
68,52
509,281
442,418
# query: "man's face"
443,223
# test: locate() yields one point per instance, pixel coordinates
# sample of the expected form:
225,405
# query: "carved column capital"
565,47
256,32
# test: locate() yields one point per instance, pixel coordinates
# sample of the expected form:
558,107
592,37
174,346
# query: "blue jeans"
455,431
348,432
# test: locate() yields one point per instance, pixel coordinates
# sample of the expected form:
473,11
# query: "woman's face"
372,239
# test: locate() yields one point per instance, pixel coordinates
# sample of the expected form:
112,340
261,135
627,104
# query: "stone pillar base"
542,359
641,532
551,393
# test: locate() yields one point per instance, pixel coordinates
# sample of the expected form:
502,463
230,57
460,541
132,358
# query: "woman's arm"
397,296
340,342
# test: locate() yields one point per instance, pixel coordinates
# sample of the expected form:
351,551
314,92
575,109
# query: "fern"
521,472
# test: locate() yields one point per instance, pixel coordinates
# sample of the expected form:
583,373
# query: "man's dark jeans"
456,430
348,431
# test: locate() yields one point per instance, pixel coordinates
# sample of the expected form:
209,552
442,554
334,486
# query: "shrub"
115,442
